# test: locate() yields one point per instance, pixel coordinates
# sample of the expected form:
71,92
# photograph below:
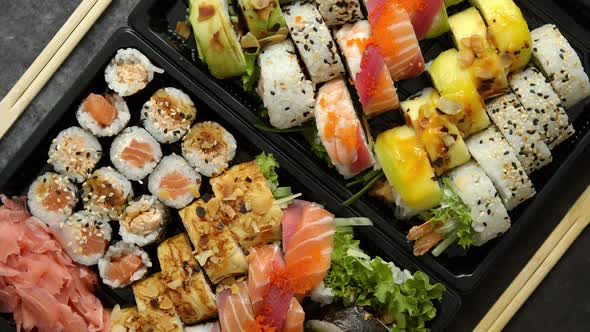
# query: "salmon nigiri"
235,309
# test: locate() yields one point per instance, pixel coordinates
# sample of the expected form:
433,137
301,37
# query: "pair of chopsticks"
562,237
47,63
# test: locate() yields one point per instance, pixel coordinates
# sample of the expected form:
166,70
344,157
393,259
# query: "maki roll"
103,115
495,157
135,153
129,72
520,132
340,130
51,198
559,61
174,182
264,18
127,320
74,153
106,193
168,115
123,264
151,296
144,220
339,12
286,93
314,42
209,148
543,106
84,236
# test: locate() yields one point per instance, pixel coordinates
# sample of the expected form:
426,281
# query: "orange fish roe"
386,15
298,19
411,6
330,127
359,42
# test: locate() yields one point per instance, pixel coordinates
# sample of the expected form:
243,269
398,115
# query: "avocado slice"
440,24
263,17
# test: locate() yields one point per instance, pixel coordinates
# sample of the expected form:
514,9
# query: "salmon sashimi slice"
122,268
295,317
235,309
290,220
138,153
100,109
175,184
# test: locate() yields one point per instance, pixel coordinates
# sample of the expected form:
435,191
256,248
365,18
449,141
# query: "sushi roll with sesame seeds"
495,157
84,236
314,41
286,93
559,61
123,264
174,182
339,12
107,192
74,153
103,115
209,148
168,115
129,72
543,106
144,220
51,198
514,123
135,153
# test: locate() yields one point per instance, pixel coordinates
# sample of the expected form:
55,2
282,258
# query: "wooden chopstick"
47,63
546,257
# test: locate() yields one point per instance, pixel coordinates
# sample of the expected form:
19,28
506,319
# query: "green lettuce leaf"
252,74
317,148
268,166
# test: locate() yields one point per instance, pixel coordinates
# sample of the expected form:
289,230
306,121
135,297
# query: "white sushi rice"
74,153
543,106
117,250
286,93
476,190
88,122
338,12
518,129
209,148
167,165
554,55
73,233
119,185
314,41
159,117
129,72
402,210
143,221
38,191
495,157
119,148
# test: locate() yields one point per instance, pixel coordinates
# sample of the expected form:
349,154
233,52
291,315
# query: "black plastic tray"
156,21
31,158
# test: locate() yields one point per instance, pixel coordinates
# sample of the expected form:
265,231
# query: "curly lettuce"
268,165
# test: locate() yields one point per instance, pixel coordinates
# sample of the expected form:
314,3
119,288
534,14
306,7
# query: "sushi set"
524,88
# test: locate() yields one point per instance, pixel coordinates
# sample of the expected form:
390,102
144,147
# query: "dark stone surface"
561,302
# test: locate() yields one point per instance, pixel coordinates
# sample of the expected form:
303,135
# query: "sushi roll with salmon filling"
103,115
74,153
168,115
85,237
51,198
135,153
341,131
174,182
144,220
107,192
129,72
209,148
338,12
123,264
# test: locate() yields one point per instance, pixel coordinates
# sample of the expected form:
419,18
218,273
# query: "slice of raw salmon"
295,317
101,109
235,309
175,184
122,268
138,153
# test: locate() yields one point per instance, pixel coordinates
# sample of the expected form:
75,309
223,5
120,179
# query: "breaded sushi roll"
341,131
543,106
339,12
287,95
209,148
144,220
51,198
85,236
103,115
513,122
495,157
187,285
168,115
74,153
123,264
129,72
314,41
559,61
126,320
151,296
107,192
174,182
135,153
